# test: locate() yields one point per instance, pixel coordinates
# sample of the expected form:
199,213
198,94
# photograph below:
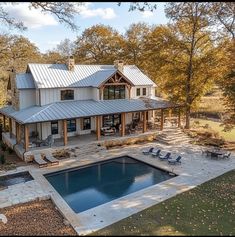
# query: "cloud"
105,13
33,18
147,14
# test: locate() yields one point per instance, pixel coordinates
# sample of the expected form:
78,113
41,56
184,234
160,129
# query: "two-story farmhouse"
55,102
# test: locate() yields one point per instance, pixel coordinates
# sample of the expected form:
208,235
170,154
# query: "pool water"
87,187
21,177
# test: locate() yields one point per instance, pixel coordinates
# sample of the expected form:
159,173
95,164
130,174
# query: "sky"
46,32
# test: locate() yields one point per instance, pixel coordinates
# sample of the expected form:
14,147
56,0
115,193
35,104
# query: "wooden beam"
144,121
98,127
170,113
65,132
17,132
179,118
123,121
162,119
10,127
26,137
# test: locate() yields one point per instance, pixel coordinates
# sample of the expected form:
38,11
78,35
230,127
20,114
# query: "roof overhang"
84,108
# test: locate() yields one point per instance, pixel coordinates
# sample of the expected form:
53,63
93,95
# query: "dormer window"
67,95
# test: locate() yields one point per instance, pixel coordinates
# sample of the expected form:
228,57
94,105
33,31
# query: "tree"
135,38
99,44
53,57
65,48
192,23
64,12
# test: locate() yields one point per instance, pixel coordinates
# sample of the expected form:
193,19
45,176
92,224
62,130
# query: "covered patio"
152,113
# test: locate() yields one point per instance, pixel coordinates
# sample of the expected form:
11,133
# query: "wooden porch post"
18,133
162,119
26,137
98,127
123,120
10,126
144,121
65,132
170,113
179,118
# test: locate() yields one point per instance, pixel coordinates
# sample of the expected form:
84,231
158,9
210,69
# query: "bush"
2,159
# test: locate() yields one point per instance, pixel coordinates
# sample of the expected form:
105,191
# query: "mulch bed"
34,218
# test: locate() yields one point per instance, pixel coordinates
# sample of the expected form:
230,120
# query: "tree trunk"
187,113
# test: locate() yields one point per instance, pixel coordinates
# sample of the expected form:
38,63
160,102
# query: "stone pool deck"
194,170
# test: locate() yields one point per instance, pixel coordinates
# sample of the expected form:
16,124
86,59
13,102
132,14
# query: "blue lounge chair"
166,157
148,151
175,161
156,153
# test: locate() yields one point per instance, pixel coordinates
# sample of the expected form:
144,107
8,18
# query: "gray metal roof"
57,75
24,81
83,108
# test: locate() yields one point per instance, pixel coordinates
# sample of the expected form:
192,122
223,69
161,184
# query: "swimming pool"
90,186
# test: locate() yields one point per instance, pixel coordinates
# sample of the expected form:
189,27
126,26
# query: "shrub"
2,159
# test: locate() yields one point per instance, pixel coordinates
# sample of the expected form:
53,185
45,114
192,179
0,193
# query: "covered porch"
131,118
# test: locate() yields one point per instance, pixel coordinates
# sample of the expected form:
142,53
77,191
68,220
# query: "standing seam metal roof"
57,75
83,108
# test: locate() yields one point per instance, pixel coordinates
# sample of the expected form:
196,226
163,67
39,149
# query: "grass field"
208,209
228,136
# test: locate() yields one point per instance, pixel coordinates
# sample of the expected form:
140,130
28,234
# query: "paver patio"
194,170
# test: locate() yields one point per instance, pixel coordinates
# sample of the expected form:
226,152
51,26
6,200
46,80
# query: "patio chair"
225,156
51,158
48,141
147,151
166,157
156,153
39,160
175,161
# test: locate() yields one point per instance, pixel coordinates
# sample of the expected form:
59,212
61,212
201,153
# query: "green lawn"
228,136
208,209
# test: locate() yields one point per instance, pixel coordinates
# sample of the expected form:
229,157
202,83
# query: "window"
144,91
112,120
71,125
54,127
138,92
86,123
114,92
67,95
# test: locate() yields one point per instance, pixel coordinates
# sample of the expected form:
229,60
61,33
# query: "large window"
71,125
86,123
138,92
54,127
114,92
67,95
112,120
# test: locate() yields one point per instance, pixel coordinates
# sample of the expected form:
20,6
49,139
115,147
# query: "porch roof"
83,108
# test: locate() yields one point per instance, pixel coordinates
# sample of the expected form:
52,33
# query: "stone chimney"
71,63
119,64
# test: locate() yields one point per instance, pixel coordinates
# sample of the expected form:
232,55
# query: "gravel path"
34,218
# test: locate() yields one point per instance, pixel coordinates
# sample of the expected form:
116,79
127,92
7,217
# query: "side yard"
208,209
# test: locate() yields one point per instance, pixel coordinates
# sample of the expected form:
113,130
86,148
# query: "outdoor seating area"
36,142
45,159
157,153
217,153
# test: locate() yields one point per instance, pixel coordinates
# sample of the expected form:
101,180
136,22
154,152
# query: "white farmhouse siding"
53,95
27,98
95,93
148,91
